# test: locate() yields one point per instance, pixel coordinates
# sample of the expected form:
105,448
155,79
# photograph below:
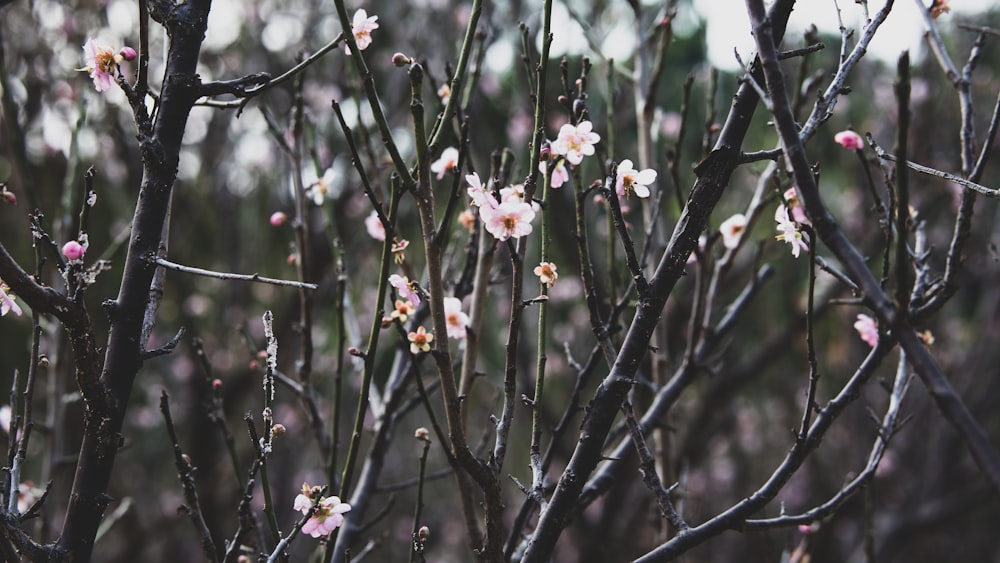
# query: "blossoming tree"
556,276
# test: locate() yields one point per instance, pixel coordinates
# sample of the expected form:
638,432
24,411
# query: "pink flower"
362,28
278,218
546,272
478,192
467,220
790,232
374,226
732,229
575,142
402,310
402,285
328,517
73,250
7,303
456,320
102,64
632,180
867,329
508,219
849,140
559,173
447,162
420,341
798,213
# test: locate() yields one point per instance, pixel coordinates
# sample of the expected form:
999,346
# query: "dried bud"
278,429
401,60
43,361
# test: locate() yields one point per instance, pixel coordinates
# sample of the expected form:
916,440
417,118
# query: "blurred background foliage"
727,433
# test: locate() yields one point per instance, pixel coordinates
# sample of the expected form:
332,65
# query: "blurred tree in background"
740,353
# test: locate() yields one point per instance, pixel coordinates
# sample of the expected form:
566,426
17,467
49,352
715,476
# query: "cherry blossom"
445,164
867,329
576,142
402,310
362,28
420,341
317,190
849,140
478,192
467,220
102,63
546,272
508,219
631,180
328,517
7,303
790,232
795,206
374,226
398,250
402,285
456,320
732,229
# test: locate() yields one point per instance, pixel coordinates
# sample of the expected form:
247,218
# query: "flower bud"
128,53
278,218
423,533
7,195
216,384
278,429
422,434
73,250
401,60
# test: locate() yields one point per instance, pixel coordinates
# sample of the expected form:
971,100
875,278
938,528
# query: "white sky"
728,25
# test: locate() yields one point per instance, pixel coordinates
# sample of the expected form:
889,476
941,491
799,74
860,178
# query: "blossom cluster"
329,513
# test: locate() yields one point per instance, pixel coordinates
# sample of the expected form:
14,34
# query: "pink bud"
399,59
128,53
849,140
278,218
254,364
423,533
278,429
73,250
8,195
216,384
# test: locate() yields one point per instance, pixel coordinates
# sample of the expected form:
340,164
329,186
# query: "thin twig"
226,276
